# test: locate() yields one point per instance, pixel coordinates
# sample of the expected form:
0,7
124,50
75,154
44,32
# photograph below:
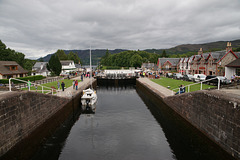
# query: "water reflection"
89,109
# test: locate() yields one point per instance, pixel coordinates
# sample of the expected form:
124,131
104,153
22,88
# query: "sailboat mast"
91,66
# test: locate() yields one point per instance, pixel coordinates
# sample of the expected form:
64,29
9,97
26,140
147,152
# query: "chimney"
200,52
229,46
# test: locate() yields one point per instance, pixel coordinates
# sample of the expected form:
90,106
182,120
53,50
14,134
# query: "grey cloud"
40,27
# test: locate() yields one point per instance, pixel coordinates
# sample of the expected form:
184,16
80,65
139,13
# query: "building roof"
235,63
66,62
4,70
38,64
147,65
237,54
173,61
40,67
78,65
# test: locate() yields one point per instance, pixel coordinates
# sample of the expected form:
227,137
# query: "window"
238,71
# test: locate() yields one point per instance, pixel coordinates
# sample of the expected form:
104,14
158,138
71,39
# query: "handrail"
198,83
35,84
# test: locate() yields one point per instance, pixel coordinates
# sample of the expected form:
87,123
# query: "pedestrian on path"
181,90
58,85
76,84
63,85
73,83
82,77
29,84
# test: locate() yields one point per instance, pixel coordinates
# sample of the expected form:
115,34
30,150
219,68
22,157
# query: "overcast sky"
39,27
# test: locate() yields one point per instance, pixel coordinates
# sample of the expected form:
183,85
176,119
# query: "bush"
31,78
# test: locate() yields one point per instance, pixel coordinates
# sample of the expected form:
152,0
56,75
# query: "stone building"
168,64
148,66
210,63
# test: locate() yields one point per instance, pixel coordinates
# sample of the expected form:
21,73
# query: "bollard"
218,83
10,87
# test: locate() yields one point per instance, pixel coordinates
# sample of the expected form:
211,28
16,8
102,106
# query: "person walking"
29,84
73,83
76,84
82,77
63,85
58,85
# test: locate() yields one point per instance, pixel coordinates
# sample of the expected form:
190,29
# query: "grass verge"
67,82
173,84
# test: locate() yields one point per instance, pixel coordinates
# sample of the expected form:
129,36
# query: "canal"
127,125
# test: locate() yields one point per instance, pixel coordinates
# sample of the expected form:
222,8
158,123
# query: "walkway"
69,92
158,89
231,91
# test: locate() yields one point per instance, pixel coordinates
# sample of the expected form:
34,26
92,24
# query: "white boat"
89,97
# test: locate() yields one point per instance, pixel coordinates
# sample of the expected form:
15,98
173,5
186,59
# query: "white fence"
188,86
49,90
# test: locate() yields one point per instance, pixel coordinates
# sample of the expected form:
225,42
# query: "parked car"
199,77
213,81
224,80
177,76
169,75
188,77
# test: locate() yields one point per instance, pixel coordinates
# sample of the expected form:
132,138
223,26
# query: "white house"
40,68
232,68
68,66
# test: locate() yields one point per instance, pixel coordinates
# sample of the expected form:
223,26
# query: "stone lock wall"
22,112
215,114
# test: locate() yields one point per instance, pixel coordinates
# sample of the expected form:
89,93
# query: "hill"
84,55
180,49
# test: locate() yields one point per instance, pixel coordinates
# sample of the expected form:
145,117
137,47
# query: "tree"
136,60
74,57
54,65
164,54
61,54
19,58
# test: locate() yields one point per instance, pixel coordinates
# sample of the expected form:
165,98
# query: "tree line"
128,58
7,54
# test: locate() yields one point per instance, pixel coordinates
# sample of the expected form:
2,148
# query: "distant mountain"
180,49
84,55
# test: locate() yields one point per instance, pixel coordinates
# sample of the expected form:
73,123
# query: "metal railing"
188,86
50,90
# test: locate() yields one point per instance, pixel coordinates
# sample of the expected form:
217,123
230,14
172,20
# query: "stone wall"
22,112
214,113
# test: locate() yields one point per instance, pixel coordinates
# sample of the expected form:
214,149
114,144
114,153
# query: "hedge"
31,78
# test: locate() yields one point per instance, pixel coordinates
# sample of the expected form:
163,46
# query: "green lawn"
173,83
67,82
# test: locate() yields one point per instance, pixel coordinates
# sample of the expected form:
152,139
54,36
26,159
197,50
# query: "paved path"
69,92
231,91
164,92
